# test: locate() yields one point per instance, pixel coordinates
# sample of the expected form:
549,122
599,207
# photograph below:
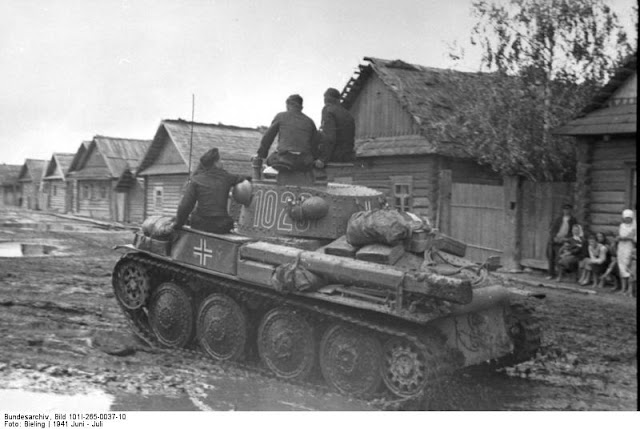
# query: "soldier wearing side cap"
337,132
297,145
209,188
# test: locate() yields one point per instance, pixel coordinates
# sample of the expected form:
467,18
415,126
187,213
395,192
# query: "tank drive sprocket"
131,284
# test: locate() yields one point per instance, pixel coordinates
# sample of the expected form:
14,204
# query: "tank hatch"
304,211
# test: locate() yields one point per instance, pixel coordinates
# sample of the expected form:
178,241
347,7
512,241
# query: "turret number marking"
268,210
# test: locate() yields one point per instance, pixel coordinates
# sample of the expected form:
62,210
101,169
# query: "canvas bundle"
380,226
292,277
158,227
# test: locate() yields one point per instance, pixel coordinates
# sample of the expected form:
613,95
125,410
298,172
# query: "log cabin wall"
163,194
94,198
136,202
612,179
56,191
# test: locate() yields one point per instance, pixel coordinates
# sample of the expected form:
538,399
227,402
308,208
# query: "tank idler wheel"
286,344
222,327
131,284
405,371
350,360
171,315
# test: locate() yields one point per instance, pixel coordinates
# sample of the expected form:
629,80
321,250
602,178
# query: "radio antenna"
193,108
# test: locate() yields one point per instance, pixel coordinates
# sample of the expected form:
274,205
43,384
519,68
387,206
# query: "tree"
551,55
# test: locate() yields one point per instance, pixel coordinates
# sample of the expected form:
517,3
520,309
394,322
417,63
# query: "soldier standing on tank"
337,131
209,187
297,143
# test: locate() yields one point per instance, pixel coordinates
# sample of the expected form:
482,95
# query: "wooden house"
10,190
30,179
402,113
96,171
606,132
54,183
165,167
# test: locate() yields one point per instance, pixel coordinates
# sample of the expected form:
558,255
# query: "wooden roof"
430,95
236,145
9,174
32,170
60,160
118,153
601,116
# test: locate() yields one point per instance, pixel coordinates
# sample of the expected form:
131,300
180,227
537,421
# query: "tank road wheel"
171,315
405,371
131,284
286,344
350,360
222,327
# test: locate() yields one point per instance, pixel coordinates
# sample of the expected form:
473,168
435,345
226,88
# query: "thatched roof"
601,116
430,95
236,145
58,166
119,154
32,170
9,174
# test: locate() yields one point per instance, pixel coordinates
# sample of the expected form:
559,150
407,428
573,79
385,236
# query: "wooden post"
512,223
444,202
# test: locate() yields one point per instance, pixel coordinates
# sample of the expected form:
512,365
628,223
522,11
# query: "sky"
72,69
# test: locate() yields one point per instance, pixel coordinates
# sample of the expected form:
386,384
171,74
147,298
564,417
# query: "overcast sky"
73,69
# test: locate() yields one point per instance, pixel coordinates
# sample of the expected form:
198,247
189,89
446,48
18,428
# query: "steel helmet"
242,193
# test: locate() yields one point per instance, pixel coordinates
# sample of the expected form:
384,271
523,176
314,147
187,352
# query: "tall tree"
553,53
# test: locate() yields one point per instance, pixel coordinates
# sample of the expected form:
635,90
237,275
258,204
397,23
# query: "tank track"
137,321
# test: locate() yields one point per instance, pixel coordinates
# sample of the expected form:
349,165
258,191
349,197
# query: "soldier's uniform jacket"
209,187
338,134
296,133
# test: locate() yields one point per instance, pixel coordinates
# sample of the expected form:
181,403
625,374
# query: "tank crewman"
297,145
337,131
209,187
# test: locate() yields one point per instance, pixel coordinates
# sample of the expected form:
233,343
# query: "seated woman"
611,272
595,263
571,253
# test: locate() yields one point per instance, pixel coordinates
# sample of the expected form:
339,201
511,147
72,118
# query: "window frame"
156,206
631,174
405,199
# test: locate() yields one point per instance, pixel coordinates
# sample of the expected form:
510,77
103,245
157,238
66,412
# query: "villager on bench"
596,262
571,253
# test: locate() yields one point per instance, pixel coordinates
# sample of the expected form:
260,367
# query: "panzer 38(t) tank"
288,293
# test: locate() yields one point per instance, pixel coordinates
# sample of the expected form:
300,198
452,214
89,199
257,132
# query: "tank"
286,293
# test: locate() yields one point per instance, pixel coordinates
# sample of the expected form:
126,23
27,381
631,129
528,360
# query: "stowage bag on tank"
379,226
158,227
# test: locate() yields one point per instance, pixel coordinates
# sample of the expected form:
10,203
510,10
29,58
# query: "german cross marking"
202,252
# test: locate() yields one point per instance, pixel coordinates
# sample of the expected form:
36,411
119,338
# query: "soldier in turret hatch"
297,143
209,187
337,132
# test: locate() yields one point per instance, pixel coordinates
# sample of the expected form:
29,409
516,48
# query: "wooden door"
121,209
477,218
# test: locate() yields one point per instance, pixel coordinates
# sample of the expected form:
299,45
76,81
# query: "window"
86,191
402,190
158,192
55,190
103,191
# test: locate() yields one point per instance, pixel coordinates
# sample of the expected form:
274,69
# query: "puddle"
11,249
14,399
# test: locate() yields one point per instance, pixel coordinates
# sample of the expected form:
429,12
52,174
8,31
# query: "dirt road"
62,333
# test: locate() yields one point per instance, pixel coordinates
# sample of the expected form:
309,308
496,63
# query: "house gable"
378,113
628,90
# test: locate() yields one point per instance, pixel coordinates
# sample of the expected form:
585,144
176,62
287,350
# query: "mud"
63,335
